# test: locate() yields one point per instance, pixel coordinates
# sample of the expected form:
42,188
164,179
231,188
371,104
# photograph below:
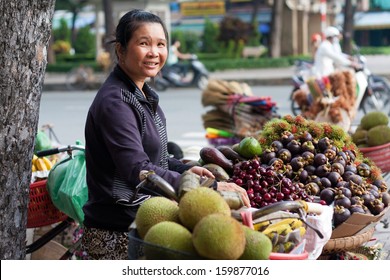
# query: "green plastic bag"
67,186
42,142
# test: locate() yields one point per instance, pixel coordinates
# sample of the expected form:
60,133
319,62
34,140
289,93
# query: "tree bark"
276,28
348,27
25,32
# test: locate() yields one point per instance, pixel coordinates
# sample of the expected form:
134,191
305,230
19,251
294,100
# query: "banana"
33,168
261,226
302,231
40,164
47,163
281,229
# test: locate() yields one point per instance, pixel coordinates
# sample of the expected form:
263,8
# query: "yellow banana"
40,164
33,168
47,163
302,231
281,229
261,226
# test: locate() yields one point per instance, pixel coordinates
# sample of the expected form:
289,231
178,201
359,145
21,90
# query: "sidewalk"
378,64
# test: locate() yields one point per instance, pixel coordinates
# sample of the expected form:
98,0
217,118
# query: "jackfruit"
219,237
154,210
378,135
200,202
373,119
257,247
359,136
169,241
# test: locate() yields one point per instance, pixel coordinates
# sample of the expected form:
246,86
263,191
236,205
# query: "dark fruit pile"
303,159
265,185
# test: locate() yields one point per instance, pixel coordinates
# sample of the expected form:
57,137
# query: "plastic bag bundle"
67,186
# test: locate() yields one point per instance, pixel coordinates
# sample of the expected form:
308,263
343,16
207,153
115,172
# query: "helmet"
331,31
316,37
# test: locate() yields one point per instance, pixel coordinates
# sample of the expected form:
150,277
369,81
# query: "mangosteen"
342,184
385,196
347,174
303,175
363,169
381,184
330,154
327,195
351,155
356,200
276,163
284,154
350,167
286,137
324,143
305,136
338,167
325,182
294,147
368,198
308,157
340,215
356,179
267,155
312,188
320,159
356,208
342,200
376,206
342,154
323,170
276,145
334,177
297,163
345,191
310,169
308,146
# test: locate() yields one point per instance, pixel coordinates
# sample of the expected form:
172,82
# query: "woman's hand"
201,171
224,186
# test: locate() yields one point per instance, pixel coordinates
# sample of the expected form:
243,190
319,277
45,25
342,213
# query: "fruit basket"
41,210
380,155
139,249
347,243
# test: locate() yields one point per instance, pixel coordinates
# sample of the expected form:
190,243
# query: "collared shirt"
125,133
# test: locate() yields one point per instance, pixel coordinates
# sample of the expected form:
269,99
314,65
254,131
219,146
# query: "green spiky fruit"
153,211
200,202
172,240
359,136
378,135
373,119
219,237
258,246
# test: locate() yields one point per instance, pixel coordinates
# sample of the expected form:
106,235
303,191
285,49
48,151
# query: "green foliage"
375,50
254,38
189,41
63,32
210,35
242,63
85,41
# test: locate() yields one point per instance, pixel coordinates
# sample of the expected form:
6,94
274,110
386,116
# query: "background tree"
276,28
25,32
348,26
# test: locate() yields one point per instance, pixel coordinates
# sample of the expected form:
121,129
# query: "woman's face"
146,52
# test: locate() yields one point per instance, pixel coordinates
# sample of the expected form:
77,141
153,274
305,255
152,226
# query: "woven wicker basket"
347,243
380,155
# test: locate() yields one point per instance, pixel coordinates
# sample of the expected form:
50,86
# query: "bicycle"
42,212
80,78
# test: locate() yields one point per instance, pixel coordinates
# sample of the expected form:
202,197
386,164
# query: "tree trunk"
276,28
348,27
25,32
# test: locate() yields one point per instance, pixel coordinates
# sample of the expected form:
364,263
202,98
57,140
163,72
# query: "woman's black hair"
131,21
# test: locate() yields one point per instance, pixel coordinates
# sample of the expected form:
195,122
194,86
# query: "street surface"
183,109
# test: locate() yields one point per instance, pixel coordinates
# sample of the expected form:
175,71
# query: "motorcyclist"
327,56
175,56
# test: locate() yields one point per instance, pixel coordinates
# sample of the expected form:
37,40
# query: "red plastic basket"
380,155
41,210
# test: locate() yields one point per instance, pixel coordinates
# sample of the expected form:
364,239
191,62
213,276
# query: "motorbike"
376,96
173,76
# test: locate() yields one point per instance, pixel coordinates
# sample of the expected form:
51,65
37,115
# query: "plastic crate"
41,210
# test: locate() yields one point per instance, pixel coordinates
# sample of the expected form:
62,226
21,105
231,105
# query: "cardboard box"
357,223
